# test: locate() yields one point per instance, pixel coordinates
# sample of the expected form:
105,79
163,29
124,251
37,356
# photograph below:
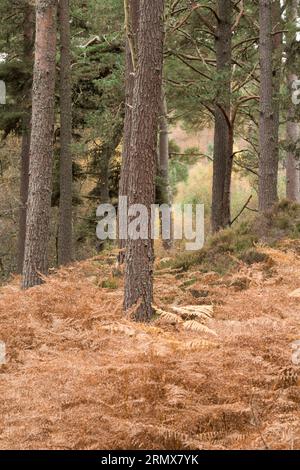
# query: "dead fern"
192,312
120,328
200,344
167,317
288,377
197,327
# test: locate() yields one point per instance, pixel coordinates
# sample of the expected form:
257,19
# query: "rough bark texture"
292,163
268,162
65,203
222,164
41,146
228,176
292,126
277,52
145,113
133,9
25,148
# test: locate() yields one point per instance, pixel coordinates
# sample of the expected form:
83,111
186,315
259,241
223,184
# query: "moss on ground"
225,250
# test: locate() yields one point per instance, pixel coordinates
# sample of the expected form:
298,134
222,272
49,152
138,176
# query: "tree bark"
268,162
28,36
65,243
292,162
132,19
228,177
141,187
277,68
292,126
41,146
222,163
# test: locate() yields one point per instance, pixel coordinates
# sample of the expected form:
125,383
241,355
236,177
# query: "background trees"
223,70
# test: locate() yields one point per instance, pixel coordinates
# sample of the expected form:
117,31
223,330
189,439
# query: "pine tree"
41,145
292,126
28,35
132,11
223,138
142,170
268,162
66,177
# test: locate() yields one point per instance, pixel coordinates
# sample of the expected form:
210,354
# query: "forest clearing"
149,227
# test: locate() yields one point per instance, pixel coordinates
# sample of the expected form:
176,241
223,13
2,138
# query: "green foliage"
111,283
17,78
11,121
224,251
253,256
180,162
220,253
77,176
282,222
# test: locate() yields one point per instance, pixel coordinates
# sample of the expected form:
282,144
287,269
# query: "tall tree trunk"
228,177
145,113
41,146
277,52
222,163
292,162
65,244
292,126
132,10
163,162
268,162
25,149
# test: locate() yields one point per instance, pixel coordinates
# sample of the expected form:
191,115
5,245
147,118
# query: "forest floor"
81,376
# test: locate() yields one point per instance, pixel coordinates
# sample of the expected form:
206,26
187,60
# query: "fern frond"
195,311
193,325
200,344
119,328
295,294
167,317
211,436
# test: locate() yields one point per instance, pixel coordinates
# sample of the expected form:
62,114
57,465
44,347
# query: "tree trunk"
163,161
292,126
292,162
132,19
141,187
222,163
268,162
66,177
228,176
41,146
277,66
24,173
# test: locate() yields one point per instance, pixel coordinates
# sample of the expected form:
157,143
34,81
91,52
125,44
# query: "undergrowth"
224,251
